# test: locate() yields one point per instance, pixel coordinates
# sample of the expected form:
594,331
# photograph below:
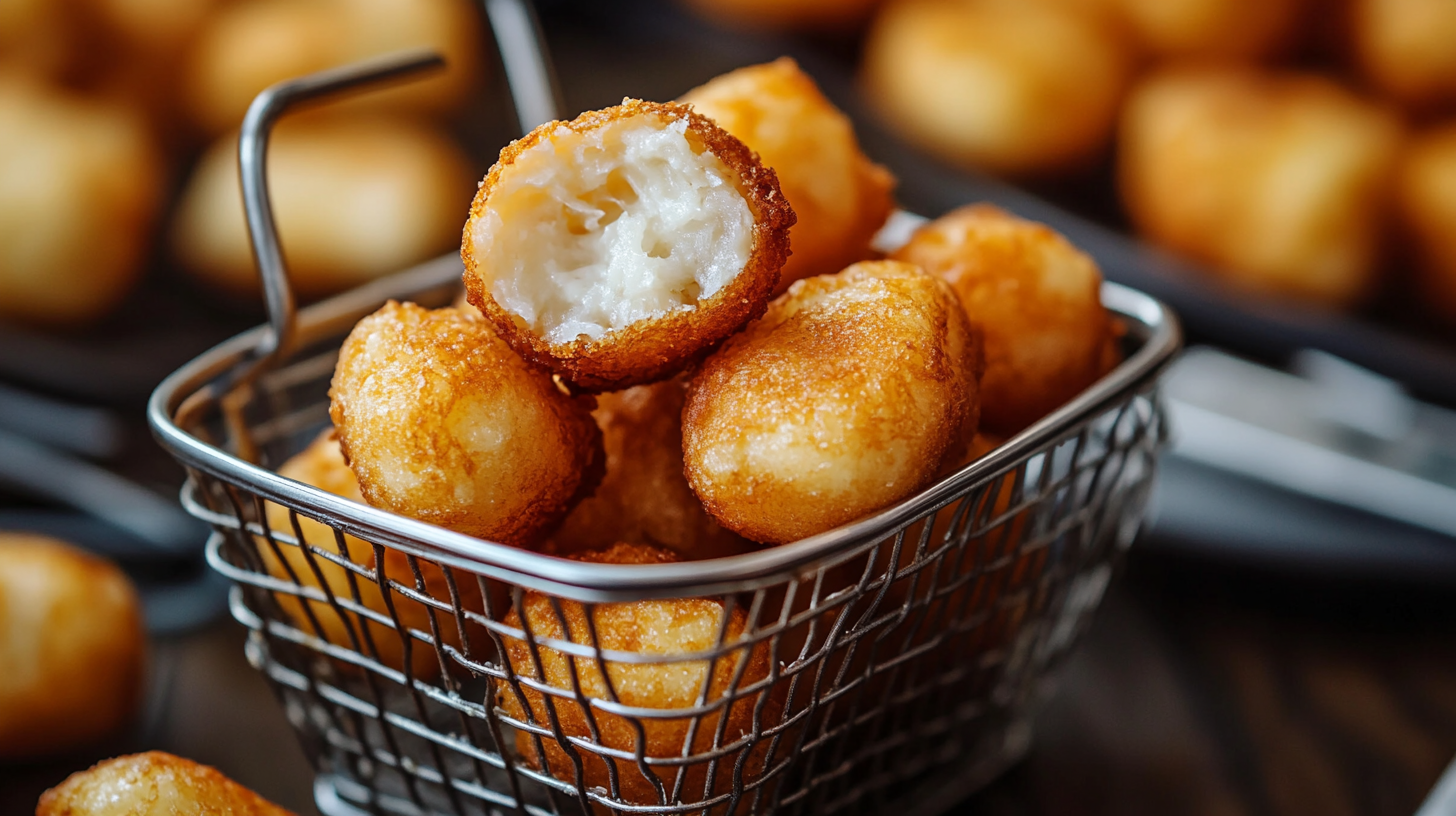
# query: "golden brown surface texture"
1037,300
73,647
663,629
845,398
659,345
841,198
153,784
1404,48
644,497
322,465
1276,181
1427,204
442,422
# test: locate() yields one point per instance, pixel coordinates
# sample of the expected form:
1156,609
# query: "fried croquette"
72,644
803,15
441,421
846,397
660,628
644,497
1275,181
152,784
1017,88
322,465
80,185
249,45
1405,49
619,247
840,197
1224,30
1037,299
1427,199
354,198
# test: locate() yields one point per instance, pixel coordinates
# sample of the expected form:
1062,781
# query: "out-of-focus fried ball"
152,784
1427,199
1013,87
354,198
79,188
1037,299
1405,48
322,465
1226,30
665,628
644,497
72,643
250,45
1276,181
811,15
441,421
619,247
845,398
841,198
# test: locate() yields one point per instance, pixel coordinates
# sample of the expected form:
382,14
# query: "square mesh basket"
893,662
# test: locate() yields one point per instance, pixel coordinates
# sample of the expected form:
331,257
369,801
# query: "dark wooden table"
1201,689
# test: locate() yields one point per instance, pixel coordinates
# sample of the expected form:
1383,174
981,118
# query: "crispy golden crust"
845,398
644,497
152,784
1036,298
441,421
840,197
665,627
72,646
322,465
653,349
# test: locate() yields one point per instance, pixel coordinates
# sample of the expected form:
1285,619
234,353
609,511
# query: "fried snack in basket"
644,497
841,198
1427,205
1276,181
322,465
152,784
355,197
846,397
1037,299
441,421
73,647
1021,88
1404,48
619,247
80,184
686,626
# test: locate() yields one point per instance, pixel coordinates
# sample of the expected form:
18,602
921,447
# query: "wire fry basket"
896,660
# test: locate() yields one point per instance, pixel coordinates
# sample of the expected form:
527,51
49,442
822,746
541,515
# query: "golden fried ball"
660,628
252,44
1012,87
152,784
1037,299
1232,30
1275,181
1405,48
1427,206
841,198
322,465
354,198
619,247
845,398
644,497
810,15
79,189
72,644
442,422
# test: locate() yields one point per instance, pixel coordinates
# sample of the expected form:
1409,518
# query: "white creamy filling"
589,233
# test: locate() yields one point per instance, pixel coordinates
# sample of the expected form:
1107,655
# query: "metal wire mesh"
442,684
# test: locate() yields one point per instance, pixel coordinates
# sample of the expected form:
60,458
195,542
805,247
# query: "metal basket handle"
517,34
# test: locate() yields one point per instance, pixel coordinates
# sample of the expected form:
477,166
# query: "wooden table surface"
1200,689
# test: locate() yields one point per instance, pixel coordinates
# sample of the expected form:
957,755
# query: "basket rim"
198,384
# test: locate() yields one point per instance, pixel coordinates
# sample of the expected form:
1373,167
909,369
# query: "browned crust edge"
649,350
